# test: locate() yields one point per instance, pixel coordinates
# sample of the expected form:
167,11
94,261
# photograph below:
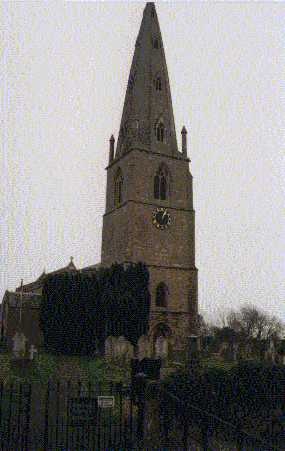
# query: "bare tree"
203,326
250,322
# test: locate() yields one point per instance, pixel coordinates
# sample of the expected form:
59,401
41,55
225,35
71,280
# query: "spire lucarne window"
155,43
158,84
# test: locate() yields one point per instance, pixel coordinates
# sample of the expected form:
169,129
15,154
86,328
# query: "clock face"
161,218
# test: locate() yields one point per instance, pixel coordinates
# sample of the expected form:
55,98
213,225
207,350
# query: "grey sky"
64,70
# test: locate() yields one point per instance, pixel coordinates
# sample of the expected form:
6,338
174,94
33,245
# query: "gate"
68,416
15,403
89,417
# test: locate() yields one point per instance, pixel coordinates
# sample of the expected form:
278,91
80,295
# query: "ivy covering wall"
79,310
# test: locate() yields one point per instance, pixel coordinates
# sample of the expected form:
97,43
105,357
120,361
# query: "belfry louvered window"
118,194
161,184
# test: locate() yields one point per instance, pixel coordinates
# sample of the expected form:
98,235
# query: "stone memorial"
161,347
144,347
32,352
19,345
109,348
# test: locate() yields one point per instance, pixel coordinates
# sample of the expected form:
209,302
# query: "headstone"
194,353
118,348
121,346
144,347
129,351
270,351
19,345
32,352
161,347
124,349
110,344
235,348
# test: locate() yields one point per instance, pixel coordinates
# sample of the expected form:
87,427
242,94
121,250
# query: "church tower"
149,203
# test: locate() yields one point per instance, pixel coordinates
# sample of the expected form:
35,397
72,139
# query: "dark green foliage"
80,310
247,389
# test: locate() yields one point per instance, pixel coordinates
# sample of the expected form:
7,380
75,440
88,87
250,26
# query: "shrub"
232,394
79,310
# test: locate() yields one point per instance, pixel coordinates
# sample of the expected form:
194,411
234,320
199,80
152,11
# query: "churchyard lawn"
48,366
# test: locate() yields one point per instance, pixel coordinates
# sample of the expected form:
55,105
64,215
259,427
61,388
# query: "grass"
212,362
48,366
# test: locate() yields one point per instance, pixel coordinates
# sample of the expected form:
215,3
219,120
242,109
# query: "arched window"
161,184
160,132
161,295
158,84
118,194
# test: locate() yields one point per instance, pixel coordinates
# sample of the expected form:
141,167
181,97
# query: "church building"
149,215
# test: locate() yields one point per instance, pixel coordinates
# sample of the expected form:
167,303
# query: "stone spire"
147,119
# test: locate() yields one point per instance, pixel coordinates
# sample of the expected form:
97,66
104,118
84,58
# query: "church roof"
148,98
39,281
91,268
68,268
28,299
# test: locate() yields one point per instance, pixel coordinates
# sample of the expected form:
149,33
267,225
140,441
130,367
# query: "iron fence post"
28,417
205,434
140,385
1,400
185,432
46,418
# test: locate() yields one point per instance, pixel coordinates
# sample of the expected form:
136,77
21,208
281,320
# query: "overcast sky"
64,71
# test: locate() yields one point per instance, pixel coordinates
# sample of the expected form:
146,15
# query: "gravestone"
161,347
129,351
234,351
19,345
194,352
32,352
124,349
118,348
271,351
109,347
144,347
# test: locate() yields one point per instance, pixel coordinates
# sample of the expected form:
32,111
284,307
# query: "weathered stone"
110,347
144,347
19,345
129,234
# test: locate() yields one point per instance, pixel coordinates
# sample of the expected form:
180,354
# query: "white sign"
106,402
